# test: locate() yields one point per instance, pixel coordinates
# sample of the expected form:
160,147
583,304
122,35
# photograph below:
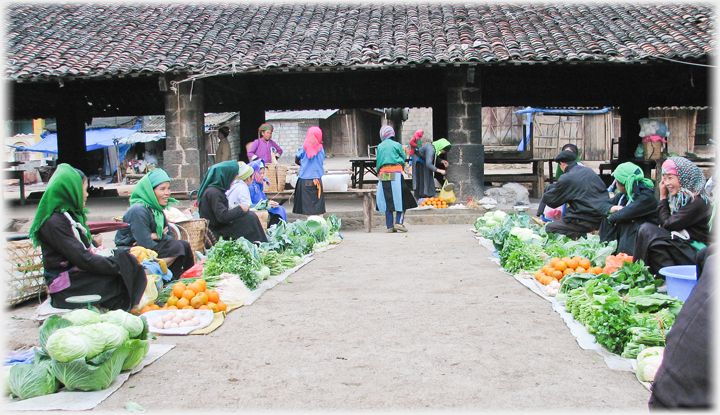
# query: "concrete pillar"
71,121
464,128
250,120
185,157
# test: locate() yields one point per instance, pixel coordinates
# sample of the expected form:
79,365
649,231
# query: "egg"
172,314
190,313
159,323
187,316
166,317
177,319
174,325
195,321
167,324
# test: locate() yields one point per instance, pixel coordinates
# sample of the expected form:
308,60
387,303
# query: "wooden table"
368,196
20,175
360,166
537,177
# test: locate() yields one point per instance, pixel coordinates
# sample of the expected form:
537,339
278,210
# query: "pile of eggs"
175,319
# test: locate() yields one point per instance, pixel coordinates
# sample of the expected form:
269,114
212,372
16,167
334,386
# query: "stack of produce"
435,202
82,350
191,293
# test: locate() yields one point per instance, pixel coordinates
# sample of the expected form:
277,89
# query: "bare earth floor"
382,322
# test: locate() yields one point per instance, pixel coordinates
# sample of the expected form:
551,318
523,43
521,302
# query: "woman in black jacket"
148,226
633,205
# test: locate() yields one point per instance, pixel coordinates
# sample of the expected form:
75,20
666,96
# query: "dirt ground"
382,322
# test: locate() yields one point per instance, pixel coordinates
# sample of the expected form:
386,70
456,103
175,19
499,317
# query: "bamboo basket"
276,174
263,216
25,270
193,231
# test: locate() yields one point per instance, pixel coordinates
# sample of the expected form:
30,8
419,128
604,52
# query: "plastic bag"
193,272
447,195
614,262
150,294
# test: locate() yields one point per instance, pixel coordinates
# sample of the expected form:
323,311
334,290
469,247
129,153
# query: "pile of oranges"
560,267
194,295
435,202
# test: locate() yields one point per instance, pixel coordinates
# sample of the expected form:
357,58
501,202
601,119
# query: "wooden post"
368,210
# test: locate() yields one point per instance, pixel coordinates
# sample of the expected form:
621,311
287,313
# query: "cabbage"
94,374
318,219
50,325
114,335
499,215
28,381
650,351
131,323
138,350
95,338
648,367
82,316
66,344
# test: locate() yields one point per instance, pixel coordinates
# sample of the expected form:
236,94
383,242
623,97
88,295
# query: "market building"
184,61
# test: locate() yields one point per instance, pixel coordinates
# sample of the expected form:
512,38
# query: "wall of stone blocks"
418,119
290,134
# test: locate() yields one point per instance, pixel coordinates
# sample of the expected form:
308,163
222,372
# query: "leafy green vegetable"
133,324
82,316
517,255
94,374
612,322
138,350
234,258
67,344
28,381
49,326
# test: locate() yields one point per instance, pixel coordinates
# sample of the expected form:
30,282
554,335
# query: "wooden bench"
368,196
537,177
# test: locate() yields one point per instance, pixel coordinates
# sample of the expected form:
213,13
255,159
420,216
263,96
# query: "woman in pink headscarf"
308,197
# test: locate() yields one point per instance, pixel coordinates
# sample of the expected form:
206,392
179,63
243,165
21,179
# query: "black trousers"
573,229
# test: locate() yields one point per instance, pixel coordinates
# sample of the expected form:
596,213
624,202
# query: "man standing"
582,191
223,150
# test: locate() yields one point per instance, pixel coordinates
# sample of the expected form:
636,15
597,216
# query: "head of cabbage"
82,316
133,324
28,381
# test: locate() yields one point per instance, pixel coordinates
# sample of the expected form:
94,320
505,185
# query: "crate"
276,174
25,270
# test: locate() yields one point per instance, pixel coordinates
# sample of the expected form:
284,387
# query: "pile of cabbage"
82,350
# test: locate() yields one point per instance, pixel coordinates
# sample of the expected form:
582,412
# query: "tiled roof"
55,40
102,122
157,123
299,115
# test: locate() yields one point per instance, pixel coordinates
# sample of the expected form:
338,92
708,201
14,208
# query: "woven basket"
276,174
193,231
263,216
25,268
652,150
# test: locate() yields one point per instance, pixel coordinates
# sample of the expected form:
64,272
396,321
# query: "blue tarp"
94,139
530,111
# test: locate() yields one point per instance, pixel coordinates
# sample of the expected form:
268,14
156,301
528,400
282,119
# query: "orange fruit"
557,274
195,287
585,263
172,300
196,302
213,307
568,271
145,309
188,307
545,268
172,307
571,263
597,270
182,303
188,293
550,270
213,296
203,297
553,261
560,266
178,289
221,306
155,307
202,283
204,307
580,270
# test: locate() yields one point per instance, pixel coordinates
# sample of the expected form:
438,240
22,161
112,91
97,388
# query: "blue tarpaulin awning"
94,139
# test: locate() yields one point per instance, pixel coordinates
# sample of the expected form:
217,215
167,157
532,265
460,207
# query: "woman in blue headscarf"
148,226
276,213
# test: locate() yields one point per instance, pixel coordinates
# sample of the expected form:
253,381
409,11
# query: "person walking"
392,194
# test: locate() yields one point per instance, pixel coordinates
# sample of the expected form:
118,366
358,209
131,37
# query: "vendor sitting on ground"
582,192
70,267
239,193
548,214
633,205
148,225
276,213
684,213
224,221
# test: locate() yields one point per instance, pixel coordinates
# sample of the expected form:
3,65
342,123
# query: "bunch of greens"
278,263
590,248
633,274
234,257
499,233
517,254
648,330
261,205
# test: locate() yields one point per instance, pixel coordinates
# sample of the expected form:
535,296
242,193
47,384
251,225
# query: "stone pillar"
71,121
250,120
464,131
185,157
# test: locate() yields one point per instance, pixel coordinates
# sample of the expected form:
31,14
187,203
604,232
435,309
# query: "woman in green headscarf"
148,226
427,161
633,205
70,266
213,205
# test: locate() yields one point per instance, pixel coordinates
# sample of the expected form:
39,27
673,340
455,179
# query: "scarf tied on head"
692,182
386,131
64,193
418,134
263,127
628,174
313,142
219,175
257,165
144,193
440,145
